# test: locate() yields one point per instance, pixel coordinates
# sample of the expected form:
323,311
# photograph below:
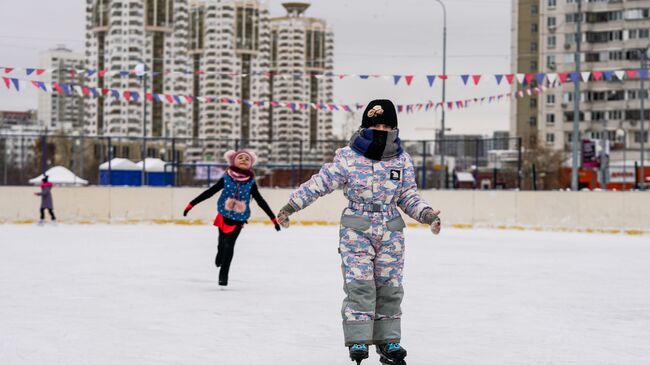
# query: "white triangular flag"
520,78
78,90
585,76
551,78
620,74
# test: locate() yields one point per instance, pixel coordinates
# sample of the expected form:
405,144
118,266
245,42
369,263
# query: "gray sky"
372,36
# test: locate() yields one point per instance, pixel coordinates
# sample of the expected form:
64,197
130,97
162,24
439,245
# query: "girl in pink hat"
238,185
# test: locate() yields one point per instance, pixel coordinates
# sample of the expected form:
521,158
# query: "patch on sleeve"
395,174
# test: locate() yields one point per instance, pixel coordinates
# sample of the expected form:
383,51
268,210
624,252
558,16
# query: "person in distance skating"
377,176
46,199
233,206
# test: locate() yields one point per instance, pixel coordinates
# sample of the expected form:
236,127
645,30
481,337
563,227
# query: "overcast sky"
371,36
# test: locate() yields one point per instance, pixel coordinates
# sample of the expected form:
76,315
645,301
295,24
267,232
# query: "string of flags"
66,89
523,79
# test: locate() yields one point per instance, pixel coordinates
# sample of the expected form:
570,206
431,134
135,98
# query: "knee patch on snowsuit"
358,311
387,326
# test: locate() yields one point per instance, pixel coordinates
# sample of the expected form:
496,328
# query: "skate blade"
389,362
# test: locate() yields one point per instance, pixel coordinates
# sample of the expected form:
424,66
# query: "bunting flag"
431,79
134,96
498,78
396,78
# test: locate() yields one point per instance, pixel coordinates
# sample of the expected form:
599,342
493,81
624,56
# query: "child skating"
238,185
46,200
377,176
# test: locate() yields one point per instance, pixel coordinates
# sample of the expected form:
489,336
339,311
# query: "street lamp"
444,72
622,134
644,66
141,73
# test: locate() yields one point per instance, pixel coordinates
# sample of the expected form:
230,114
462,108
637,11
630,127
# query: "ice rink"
147,294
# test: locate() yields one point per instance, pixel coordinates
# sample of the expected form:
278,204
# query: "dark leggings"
51,213
225,252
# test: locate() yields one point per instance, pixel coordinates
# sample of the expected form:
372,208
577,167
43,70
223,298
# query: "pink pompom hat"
231,155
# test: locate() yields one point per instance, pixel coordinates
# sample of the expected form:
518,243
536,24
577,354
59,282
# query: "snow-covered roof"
154,165
465,177
121,164
60,175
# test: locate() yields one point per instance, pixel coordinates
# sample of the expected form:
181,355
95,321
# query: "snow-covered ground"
147,294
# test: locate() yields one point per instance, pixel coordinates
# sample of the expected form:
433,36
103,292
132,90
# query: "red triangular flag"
529,78
443,77
149,97
631,74
127,95
106,91
509,78
8,69
86,90
597,75
562,76
101,73
7,82
40,71
408,79
36,85
476,79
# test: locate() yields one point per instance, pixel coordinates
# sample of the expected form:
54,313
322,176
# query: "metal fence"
492,162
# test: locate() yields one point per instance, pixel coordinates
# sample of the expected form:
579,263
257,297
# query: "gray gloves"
430,217
283,215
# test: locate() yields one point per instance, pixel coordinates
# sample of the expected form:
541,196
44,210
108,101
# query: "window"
533,66
533,46
550,61
644,33
532,121
550,118
550,138
533,28
637,137
533,103
614,114
550,99
552,3
633,33
550,21
534,10
550,41
597,115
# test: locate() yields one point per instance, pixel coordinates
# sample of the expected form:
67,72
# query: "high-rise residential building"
56,112
302,52
230,49
526,24
20,131
120,34
612,34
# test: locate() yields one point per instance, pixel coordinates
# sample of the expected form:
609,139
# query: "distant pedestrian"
46,199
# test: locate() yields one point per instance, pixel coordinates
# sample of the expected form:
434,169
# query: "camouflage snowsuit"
371,238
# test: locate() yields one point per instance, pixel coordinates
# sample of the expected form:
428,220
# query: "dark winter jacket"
46,195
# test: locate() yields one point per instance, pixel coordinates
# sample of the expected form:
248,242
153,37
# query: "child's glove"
187,209
275,223
283,215
430,217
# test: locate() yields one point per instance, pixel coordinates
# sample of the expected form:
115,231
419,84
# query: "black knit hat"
380,111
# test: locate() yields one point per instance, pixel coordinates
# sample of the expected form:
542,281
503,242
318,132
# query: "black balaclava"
45,178
379,111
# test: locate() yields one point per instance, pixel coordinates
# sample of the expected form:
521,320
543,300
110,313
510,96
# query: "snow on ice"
147,294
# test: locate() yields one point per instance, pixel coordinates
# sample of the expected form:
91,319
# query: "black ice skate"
391,354
358,352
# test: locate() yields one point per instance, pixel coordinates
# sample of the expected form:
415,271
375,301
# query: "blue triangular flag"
540,78
94,92
396,78
41,84
643,73
364,77
575,77
177,99
465,78
89,73
29,71
431,79
499,78
135,96
156,97
115,94
66,89
608,75
16,83
124,73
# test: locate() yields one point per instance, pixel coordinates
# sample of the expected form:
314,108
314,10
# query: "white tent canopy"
465,177
60,175
154,165
121,164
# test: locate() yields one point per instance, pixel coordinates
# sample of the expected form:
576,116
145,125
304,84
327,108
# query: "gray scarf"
377,145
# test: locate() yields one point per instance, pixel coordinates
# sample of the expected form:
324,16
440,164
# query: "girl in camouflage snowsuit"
377,176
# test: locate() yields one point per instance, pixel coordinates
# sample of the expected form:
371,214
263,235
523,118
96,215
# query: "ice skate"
358,352
391,354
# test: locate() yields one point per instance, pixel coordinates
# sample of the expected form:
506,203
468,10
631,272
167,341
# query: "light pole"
644,66
141,72
444,82
576,103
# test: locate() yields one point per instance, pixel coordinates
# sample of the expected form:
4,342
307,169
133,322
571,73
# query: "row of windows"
610,135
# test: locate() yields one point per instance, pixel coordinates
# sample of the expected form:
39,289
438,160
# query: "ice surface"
147,294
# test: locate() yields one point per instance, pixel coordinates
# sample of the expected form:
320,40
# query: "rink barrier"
586,212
